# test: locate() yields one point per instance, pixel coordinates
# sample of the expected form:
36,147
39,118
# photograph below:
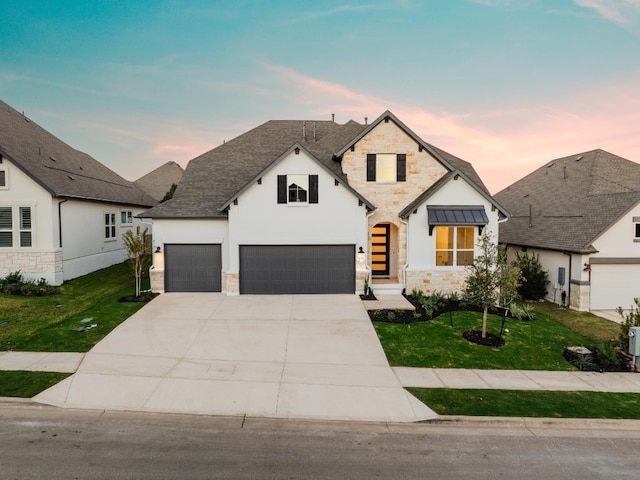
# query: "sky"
505,84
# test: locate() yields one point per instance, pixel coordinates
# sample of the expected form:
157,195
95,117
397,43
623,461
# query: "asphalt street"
45,442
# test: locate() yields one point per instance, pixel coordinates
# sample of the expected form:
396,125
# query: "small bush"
631,319
608,355
15,284
535,280
522,311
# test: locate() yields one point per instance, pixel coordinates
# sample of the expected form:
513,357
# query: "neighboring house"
62,213
318,207
158,182
581,214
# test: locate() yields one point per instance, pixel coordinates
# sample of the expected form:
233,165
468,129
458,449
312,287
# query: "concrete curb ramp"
284,356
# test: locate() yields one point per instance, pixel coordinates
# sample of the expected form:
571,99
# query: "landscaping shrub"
535,280
631,319
15,284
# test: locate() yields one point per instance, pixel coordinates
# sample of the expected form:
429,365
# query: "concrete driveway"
287,356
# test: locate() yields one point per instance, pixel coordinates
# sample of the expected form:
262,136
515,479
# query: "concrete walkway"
518,379
282,356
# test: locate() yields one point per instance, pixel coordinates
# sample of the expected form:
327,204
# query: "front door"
380,250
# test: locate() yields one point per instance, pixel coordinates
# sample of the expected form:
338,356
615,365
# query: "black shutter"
313,188
282,189
401,173
371,167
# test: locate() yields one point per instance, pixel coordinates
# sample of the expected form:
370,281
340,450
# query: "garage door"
192,268
297,269
614,286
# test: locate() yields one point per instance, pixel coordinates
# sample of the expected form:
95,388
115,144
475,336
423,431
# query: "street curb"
536,422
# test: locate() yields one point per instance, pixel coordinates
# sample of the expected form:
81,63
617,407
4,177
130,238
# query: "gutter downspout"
366,263
569,280
60,220
406,265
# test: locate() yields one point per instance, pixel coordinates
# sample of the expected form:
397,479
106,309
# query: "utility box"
634,341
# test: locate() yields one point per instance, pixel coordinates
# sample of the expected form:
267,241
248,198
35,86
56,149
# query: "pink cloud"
503,145
617,11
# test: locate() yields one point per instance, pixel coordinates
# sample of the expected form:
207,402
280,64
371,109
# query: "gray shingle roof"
60,169
567,203
214,177
158,182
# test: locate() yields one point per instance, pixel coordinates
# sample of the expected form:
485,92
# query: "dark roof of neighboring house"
566,204
159,181
211,179
60,169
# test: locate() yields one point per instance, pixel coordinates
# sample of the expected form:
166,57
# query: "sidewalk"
409,377
63,362
518,379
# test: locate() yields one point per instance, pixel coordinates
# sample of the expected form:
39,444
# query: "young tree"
491,281
138,252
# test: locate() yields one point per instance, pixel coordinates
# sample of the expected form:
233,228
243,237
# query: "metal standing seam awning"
474,215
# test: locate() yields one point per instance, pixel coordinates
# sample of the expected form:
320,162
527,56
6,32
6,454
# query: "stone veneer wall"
34,264
580,296
231,283
430,282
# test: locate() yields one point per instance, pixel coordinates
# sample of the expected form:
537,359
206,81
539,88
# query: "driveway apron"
284,356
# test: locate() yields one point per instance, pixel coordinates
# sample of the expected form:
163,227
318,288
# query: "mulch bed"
144,297
490,340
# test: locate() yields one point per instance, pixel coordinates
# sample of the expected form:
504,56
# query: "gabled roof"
60,169
569,202
215,176
295,146
158,182
450,162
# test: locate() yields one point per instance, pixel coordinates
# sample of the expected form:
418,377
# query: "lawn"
18,383
46,323
529,345
528,403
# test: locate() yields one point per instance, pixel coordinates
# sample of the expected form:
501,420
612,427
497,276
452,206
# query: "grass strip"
529,403
23,384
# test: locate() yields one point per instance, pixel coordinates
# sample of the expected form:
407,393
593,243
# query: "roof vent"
366,120
579,158
304,131
550,164
52,158
71,177
333,117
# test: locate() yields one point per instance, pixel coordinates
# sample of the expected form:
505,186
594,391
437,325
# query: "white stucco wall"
259,219
184,231
43,259
84,247
618,240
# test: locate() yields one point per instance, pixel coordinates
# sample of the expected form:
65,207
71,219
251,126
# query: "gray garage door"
192,268
297,269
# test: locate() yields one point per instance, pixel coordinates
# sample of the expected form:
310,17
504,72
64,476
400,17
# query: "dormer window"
3,179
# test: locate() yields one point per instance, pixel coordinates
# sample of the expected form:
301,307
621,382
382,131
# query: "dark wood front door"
380,250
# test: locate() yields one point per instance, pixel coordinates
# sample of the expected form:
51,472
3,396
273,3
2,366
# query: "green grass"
45,323
526,403
19,383
596,329
529,345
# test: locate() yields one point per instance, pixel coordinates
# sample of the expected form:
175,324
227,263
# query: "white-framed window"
16,229
4,179
297,188
6,227
126,217
24,219
637,231
110,226
454,246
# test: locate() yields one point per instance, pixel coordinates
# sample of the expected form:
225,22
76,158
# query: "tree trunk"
484,322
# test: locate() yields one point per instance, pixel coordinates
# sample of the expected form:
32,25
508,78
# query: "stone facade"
33,264
430,282
579,296
231,283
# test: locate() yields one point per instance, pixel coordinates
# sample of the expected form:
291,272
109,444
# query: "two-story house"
319,207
